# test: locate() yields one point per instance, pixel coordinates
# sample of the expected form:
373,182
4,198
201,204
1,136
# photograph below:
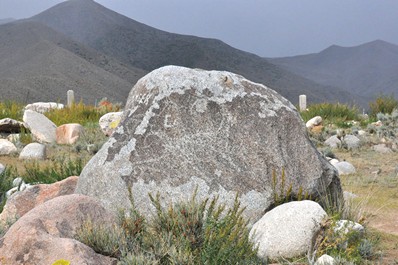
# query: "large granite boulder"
33,151
7,148
45,234
217,132
68,133
42,129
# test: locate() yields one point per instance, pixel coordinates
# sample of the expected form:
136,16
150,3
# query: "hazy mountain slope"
147,48
6,20
367,69
40,64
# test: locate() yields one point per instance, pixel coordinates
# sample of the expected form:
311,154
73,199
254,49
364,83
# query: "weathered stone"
346,226
33,151
42,129
333,141
43,107
345,168
317,120
381,148
185,129
23,201
109,122
6,147
45,234
288,230
68,133
352,141
8,125
325,260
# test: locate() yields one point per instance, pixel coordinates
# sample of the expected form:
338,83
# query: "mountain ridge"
141,46
369,69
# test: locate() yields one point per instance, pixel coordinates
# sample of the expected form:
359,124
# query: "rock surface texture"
33,151
109,122
7,148
42,107
45,234
185,129
42,129
288,230
8,125
68,133
23,201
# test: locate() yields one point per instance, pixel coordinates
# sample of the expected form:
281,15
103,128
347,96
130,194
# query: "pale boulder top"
42,107
218,86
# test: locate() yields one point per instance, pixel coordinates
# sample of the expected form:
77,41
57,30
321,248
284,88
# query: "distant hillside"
6,20
138,45
40,64
368,69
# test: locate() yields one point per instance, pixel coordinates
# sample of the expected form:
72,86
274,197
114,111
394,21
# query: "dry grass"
376,185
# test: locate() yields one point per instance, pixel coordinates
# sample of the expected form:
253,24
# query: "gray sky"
270,28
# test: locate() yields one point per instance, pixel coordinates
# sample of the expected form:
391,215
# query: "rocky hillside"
138,45
368,69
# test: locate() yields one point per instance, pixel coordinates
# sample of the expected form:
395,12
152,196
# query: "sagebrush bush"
190,232
383,104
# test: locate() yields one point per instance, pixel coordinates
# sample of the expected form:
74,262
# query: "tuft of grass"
336,113
11,109
6,179
383,104
189,232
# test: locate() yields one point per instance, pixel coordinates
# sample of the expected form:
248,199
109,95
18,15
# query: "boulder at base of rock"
23,201
68,133
215,132
352,141
8,125
333,142
42,129
314,122
6,147
45,234
288,230
109,122
33,151
42,107
345,168
381,148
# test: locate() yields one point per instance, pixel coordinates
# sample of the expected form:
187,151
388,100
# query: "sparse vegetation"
188,233
339,114
11,109
383,104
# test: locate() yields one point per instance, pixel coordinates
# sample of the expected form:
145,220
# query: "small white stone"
325,260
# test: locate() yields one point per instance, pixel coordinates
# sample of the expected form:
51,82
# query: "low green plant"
187,233
11,109
59,169
383,104
335,113
6,179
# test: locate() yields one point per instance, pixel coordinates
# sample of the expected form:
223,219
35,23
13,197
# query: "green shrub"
335,113
11,109
383,104
188,233
6,179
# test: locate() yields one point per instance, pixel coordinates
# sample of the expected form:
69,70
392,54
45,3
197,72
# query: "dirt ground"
376,185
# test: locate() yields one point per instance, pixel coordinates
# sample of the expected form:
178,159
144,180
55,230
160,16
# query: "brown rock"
45,234
22,202
68,133
8,125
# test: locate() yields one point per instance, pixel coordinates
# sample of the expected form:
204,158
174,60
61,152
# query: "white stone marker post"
71,98
302,102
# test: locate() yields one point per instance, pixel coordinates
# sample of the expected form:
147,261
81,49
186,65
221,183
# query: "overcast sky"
270,28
